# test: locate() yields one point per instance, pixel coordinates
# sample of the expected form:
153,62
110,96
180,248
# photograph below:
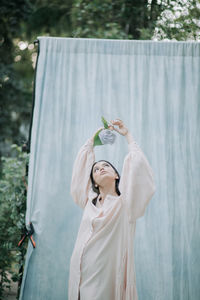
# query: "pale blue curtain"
154,87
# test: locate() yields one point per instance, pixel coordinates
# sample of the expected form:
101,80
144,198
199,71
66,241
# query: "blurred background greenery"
20,23
23,20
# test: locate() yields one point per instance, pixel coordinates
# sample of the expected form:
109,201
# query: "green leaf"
105,123
97,140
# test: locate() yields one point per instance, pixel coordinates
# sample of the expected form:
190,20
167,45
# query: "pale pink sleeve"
137,181
80,182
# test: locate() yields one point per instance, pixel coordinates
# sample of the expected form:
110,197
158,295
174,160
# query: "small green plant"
97,140
12,217
105,123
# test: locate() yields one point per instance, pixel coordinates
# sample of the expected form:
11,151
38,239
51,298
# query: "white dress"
102,263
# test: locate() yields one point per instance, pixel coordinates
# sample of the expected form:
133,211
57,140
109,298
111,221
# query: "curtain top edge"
118,47
116,40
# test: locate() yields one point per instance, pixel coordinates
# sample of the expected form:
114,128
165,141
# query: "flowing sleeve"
81,182
137,181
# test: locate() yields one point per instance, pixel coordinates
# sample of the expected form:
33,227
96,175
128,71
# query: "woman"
102,262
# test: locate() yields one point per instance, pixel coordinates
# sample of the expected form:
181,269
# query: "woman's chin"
105,178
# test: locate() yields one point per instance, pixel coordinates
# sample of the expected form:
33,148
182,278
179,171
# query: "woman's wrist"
129,137
127,132
90,142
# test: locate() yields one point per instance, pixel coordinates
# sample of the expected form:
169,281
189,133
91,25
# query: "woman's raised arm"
80,182
137,181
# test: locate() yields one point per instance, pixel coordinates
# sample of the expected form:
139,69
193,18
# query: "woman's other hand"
122,129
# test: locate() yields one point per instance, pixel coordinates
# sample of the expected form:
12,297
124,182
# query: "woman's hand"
123,130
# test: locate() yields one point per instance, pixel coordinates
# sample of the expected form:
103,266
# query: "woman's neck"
104,191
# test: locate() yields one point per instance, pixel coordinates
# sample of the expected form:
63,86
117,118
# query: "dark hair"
96,189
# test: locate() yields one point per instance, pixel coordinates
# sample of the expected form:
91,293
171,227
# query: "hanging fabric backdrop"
154,87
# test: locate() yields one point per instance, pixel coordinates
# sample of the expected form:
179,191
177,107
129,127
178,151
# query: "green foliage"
105,123
12,216
97,140
15,76
49,18
125,19
180,21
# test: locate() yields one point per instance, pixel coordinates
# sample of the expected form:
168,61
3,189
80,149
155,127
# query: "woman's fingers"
110,127
111,124
117,122
116,129
121,129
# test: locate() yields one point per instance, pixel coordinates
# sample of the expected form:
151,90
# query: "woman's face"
103,172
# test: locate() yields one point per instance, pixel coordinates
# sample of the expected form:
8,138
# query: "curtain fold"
154,88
